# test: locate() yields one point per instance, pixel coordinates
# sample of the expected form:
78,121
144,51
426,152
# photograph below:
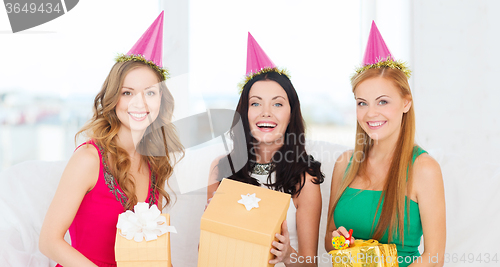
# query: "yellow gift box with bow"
143,237
366,253
129,253
232,235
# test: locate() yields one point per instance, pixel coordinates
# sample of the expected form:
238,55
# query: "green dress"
356,210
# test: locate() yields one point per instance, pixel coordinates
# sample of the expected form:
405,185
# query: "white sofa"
472,208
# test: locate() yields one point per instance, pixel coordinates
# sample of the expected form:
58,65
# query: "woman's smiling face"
140,99
380,107
268,112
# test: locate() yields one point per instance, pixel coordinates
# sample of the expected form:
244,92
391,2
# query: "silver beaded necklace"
261,168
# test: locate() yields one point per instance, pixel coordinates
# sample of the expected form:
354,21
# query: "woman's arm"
338,174
428,187
79,176
213,182
308,204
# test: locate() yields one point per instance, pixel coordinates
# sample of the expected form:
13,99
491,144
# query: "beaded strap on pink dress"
93,229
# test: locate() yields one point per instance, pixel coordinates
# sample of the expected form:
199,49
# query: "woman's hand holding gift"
341,231
208,200
282,249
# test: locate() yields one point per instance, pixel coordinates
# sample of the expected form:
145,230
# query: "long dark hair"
291,161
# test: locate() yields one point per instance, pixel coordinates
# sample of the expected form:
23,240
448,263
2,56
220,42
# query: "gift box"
239,225
366,253
131,249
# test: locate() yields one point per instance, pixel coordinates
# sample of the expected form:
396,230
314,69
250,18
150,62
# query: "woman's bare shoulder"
426,167
342,162
83,166
426,173
214,170
216,161
86,156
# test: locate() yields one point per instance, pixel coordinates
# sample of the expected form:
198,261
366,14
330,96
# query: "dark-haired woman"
274,140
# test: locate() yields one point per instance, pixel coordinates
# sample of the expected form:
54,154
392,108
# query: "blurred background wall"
455,61
50,74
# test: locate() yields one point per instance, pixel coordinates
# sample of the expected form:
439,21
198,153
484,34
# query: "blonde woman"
125,161
388,188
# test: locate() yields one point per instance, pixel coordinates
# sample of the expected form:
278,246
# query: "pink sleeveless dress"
93,229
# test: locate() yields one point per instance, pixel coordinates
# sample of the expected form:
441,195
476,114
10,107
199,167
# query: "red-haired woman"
388,188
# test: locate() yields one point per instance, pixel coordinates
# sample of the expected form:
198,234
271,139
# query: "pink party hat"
256,57
376,50
149,48
151,42
258,62
377,55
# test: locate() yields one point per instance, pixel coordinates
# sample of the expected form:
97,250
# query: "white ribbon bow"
250,201
144,222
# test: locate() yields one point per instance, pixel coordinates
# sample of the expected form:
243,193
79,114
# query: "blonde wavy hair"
158,143
399,177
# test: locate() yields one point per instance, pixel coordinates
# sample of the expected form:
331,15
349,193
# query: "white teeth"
375,124
263,124
138,115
